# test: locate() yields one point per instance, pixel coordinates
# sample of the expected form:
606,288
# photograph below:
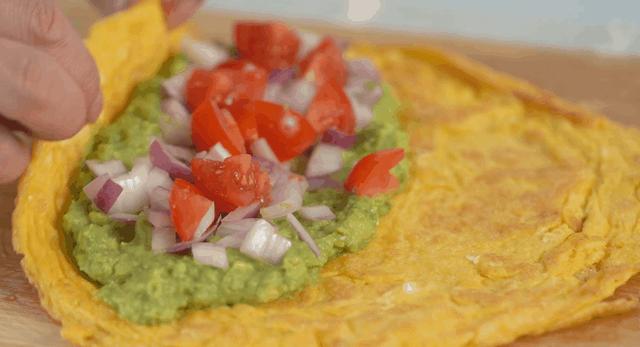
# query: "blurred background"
603,26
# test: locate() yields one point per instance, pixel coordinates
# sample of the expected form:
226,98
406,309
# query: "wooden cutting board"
608,84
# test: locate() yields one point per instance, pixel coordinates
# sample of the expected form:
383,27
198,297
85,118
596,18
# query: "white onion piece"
277,172
362,69
158,178
272,92
112,168
203,54
159,198
303,234
316,183
317,212
262,242
232,241
127,218
134,195
287,199
243,212
162,239
366,91
175,123
163,159
260,148
104,192
181,153
159,218
363,113
325,159
209,254
217,152
232,228
308,41
205,221
297,94
174,87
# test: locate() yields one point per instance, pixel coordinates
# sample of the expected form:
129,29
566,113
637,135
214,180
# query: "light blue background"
605,26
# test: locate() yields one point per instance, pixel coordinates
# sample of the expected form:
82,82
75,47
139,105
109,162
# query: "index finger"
40,23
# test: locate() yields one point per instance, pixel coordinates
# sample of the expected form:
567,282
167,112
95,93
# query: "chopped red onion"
184,154
338,138
280,76
112,168
277,172
363,113
362,69
320,182
325,159
162,239
209,254
163,159
231,228
233,240
366,91
263,243
106,192
297,94
127,218
93,187
243,212
203,54
159,198
287,199
303,234
179,247
159,218
174,87
134,195
175,123
158,178
260,148
318,212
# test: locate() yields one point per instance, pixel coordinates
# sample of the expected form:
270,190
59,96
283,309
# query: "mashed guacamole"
148,288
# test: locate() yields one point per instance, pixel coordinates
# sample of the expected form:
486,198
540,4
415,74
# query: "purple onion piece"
162,158
282,75
303,234
338,138
249,211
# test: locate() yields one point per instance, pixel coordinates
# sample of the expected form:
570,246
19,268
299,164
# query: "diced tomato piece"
232,80
197,87
188,209
326,63
370,175
287,132
331,108
271,45
244,114
235,182
236,80
210,125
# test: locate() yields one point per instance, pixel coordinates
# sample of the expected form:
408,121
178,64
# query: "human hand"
50,85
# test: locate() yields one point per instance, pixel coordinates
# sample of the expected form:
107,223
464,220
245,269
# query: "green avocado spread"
150,288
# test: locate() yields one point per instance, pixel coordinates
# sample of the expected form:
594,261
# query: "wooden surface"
608,84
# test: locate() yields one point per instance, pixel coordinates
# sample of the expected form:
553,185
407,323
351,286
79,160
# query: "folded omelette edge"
520,217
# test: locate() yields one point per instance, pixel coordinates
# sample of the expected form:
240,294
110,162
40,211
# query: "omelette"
518,216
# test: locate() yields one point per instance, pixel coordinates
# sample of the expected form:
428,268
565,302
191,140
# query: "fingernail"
96,108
